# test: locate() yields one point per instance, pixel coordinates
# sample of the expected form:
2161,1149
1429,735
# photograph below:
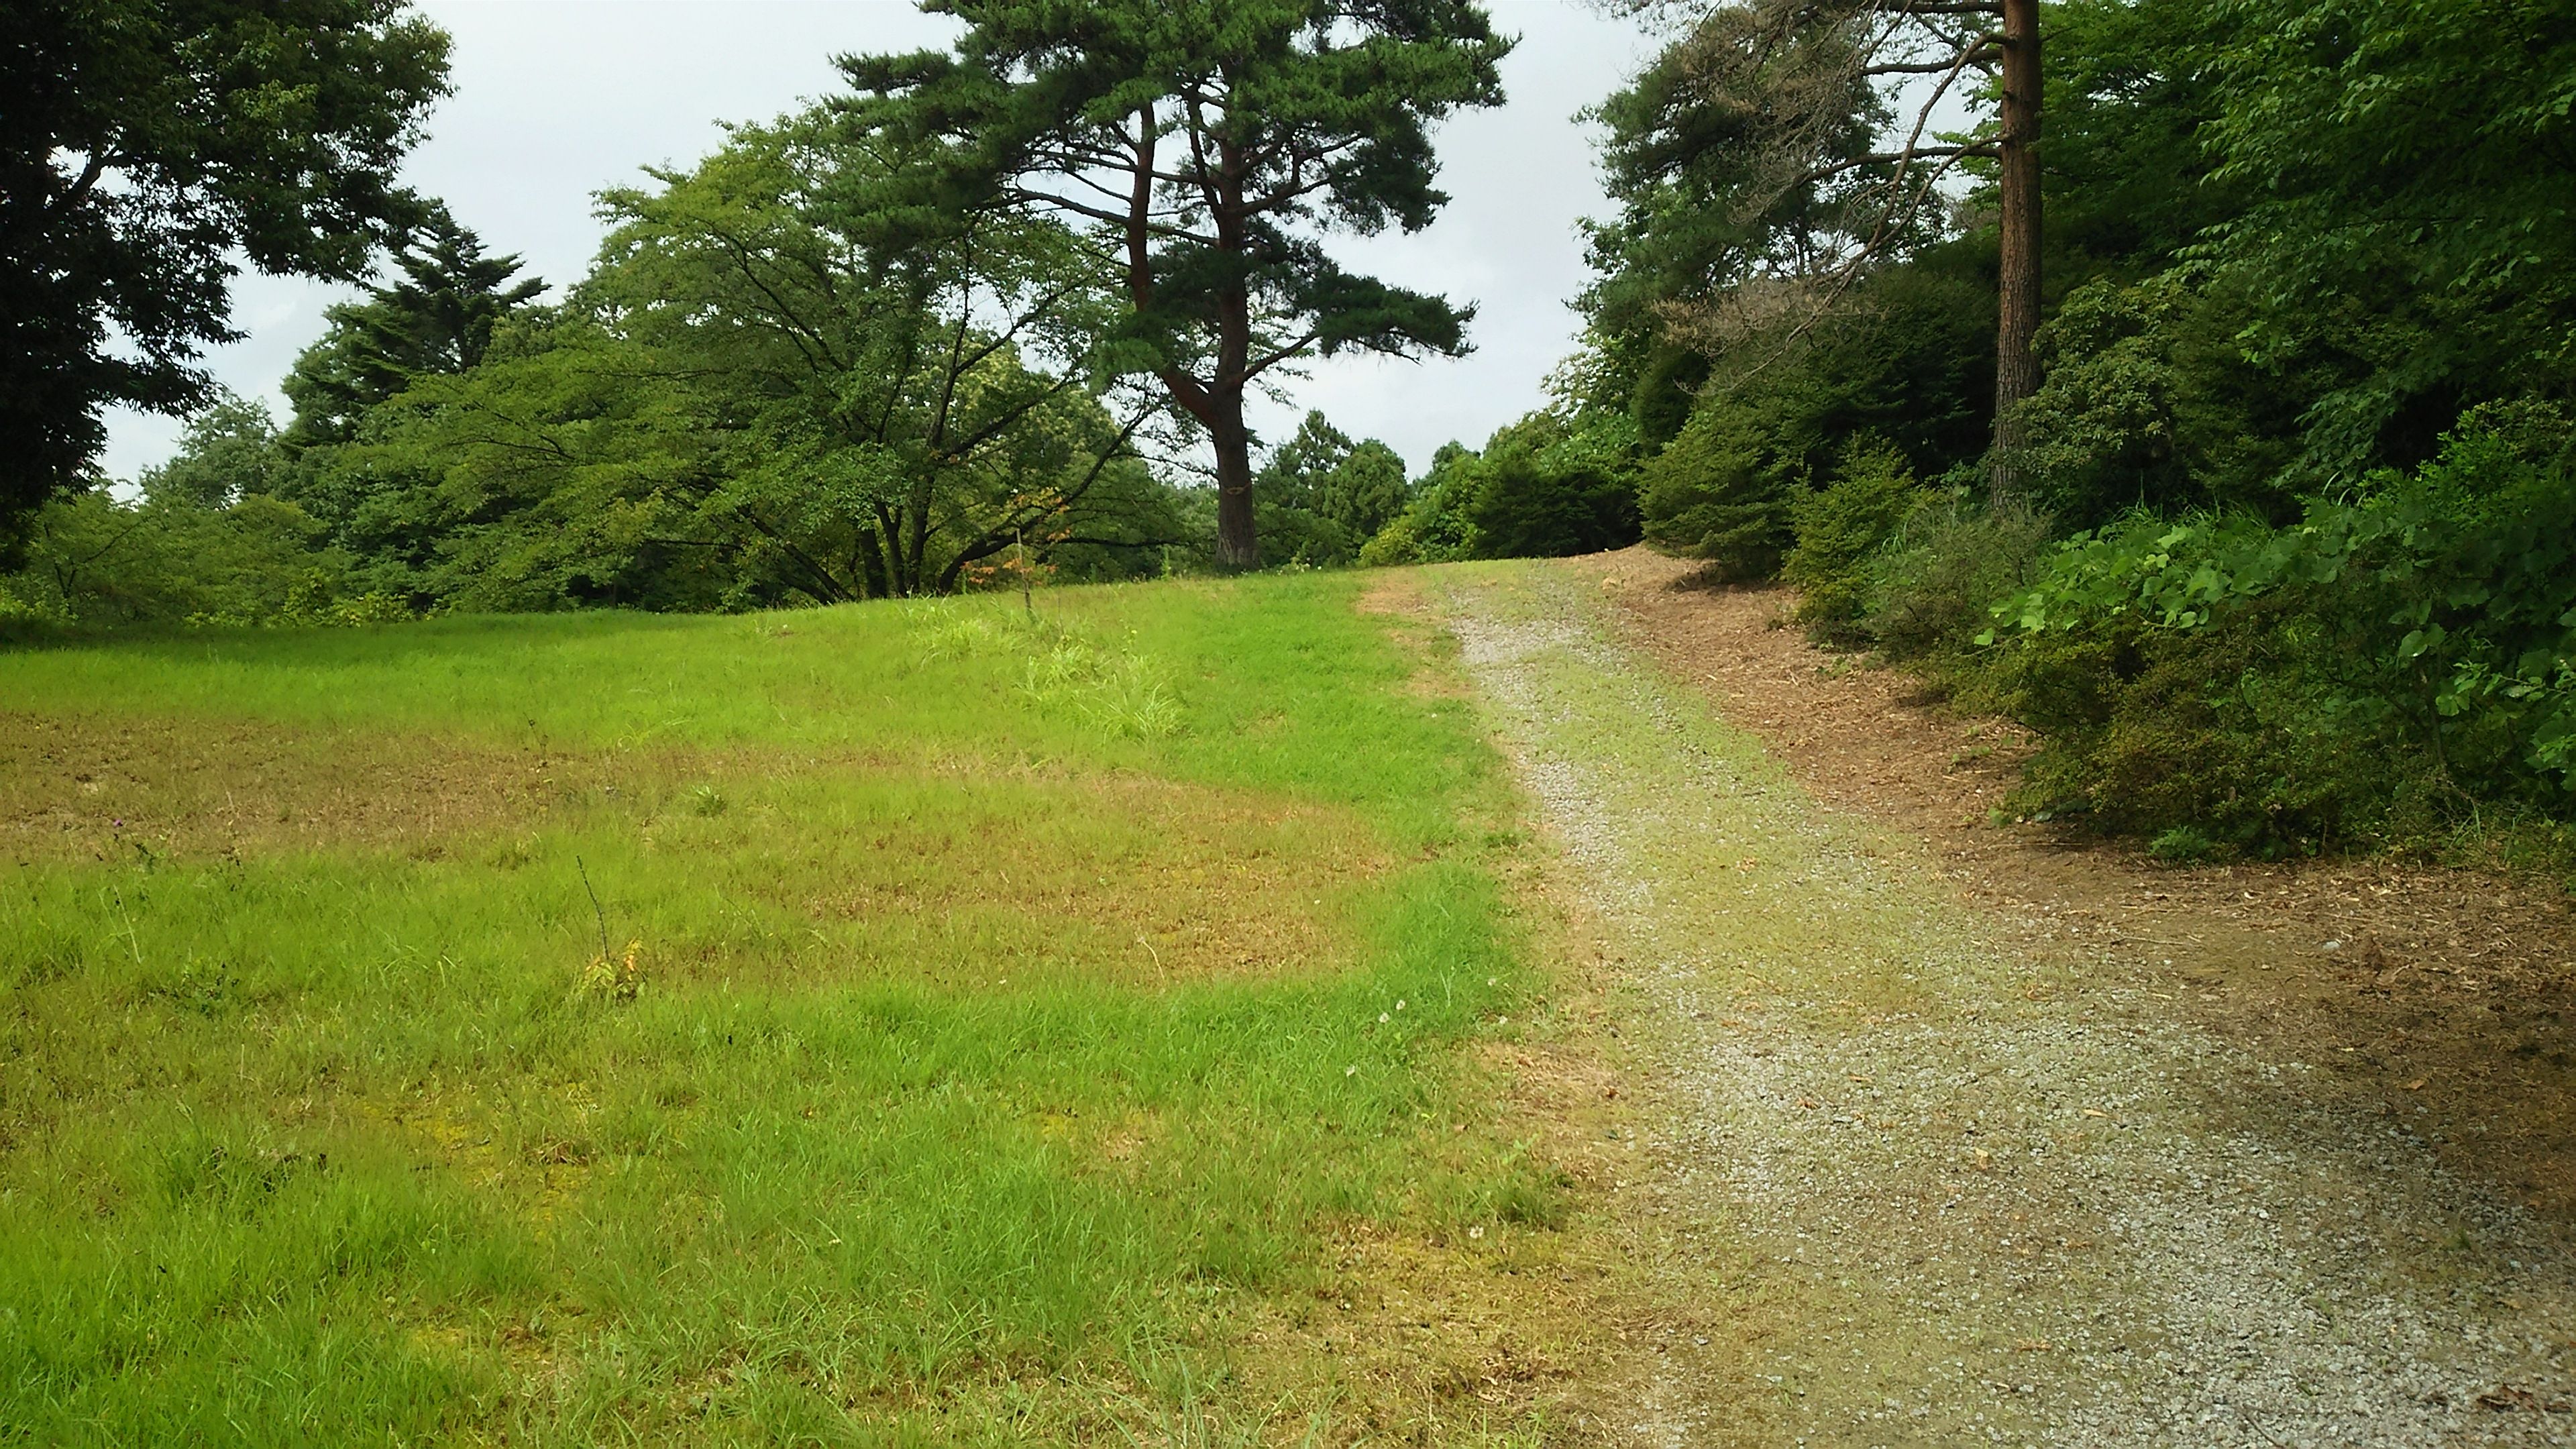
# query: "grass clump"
1116,690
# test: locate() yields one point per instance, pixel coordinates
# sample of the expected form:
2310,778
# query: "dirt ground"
2445,990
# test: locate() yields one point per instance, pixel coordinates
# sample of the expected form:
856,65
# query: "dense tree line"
973,319
2283,565
2215,419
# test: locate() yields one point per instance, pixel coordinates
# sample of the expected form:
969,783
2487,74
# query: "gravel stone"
2009,1199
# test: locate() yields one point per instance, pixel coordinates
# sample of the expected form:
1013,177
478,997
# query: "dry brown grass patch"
92,787
1119,878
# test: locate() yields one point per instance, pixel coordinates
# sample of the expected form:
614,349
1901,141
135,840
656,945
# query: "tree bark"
2017,313
1217,402
873,582
1237,547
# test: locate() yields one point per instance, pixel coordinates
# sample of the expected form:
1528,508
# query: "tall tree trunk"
872,580
916,566
1236,545
1217,402
2016,366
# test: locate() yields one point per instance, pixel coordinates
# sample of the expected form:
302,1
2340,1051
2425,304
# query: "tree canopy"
1202,152
436,317
144,148
1322,496
766,389
1778,150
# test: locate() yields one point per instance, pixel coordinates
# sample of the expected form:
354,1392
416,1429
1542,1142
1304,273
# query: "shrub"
1713,494
30,601
1432,528
1528,508
1840,531
2151,400
1557,482
1946,568
2223,732
2183,845
2403,657
173,558
1939,578
1400,542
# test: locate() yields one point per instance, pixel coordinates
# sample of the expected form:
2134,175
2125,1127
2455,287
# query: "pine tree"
436,318
1207,148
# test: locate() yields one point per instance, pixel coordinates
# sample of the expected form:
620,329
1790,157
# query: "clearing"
1530,1003
914,1023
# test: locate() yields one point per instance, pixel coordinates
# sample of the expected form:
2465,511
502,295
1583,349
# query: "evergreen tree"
1780,150
435,319
1207,148
1322,496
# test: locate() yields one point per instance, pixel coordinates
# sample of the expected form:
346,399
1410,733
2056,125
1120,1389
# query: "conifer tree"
435,318
1207,149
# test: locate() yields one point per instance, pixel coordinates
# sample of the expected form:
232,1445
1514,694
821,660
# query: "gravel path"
1942,1191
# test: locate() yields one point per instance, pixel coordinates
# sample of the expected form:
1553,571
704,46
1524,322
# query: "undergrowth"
2390,672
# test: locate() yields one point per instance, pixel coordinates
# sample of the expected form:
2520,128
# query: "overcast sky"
558,98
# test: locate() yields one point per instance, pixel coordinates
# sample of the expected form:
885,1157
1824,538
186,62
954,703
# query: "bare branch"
1258,366
1978,56
1882,158
1940,7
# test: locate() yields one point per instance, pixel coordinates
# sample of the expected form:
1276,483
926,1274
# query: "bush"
1557,482
1938,580
2222,732
1432,528
1713,494
27,604
2400,659
1527,508
1840,531
1400,542
174,559
2183,845
2151,401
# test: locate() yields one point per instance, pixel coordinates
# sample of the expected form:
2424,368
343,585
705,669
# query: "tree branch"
1882,158
91,170
1977,56
1263,364
995,539
1941,7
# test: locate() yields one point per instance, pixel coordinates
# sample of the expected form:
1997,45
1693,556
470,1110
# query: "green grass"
1010,1008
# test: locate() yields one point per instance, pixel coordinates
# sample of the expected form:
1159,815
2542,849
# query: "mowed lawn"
898,1023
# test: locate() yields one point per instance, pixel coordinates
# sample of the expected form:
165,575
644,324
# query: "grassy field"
903,1023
